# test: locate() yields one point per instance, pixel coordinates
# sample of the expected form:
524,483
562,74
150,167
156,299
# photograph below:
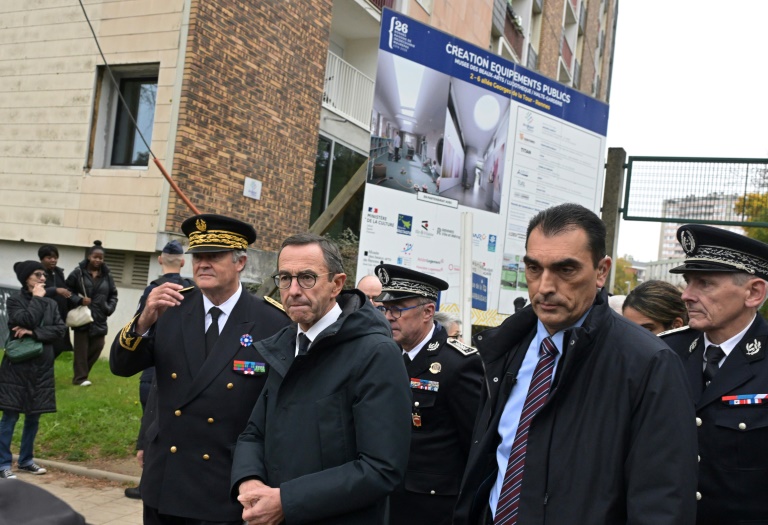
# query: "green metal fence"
731,192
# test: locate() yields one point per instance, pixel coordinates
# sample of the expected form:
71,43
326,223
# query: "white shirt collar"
415,350
226,308
325,321
731,343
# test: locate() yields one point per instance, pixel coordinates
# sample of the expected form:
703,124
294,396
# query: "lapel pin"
693,345
753,347
246,340
435,368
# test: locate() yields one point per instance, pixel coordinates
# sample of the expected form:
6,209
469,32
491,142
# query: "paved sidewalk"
101,501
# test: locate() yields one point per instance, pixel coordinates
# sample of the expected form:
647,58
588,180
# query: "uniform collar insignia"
693,345
753,348
433,346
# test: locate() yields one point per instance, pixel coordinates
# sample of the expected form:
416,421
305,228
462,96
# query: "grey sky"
689,79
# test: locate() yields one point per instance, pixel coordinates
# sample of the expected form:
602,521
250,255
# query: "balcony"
513,31
576,74
564,63
566,53
348,92
381,4
533,59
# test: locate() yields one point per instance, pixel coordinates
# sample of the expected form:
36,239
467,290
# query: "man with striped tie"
586,417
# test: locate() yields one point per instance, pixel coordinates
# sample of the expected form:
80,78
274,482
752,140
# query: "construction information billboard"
457,129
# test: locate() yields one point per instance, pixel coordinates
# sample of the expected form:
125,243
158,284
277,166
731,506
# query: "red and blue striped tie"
509,499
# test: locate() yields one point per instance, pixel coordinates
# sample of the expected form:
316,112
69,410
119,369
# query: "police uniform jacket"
446,380
202,404
733,438
611,445
331,428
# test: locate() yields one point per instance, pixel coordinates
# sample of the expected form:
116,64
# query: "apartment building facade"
259,110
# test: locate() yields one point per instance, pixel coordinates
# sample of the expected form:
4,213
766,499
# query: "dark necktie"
406,359
213,331
303,344
713,357
509,499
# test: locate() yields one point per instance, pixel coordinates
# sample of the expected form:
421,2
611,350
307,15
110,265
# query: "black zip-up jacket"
102,292
615,442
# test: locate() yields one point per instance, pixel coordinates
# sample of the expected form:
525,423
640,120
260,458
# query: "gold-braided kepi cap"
710,249
216,233
398,282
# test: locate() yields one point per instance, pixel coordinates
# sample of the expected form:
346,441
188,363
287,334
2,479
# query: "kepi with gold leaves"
217,233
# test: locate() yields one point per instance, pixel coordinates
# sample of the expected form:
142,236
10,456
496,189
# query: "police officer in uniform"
723,350
445,377
208,374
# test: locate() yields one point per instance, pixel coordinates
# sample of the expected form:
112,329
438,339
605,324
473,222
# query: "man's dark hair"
331,252
569,216
47,249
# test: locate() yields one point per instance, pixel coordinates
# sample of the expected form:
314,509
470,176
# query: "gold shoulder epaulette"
129,340
674,331
461,347
275,303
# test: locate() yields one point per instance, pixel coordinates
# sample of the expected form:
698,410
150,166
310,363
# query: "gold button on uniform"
206,457
210,420
698,421
174,376
173,450
742,426
698,496
230,386
432,492
415,403
178,412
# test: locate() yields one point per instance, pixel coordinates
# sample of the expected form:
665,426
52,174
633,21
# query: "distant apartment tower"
710,208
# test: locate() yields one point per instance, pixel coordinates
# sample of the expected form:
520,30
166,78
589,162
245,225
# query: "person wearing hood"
91,285
27,387
328,439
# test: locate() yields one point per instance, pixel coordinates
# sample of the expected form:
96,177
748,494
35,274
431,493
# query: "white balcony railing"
348,92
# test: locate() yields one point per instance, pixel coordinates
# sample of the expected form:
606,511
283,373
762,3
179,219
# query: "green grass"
95,422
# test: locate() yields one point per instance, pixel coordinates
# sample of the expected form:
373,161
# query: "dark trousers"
412,508
87,352
153,517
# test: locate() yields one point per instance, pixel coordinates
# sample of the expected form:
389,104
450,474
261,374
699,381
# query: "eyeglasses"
395,311
306,280
38,274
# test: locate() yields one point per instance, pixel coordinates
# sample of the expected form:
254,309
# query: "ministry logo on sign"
404,224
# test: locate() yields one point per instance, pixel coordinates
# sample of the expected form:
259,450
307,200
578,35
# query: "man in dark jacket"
328,439
445,378
586,417
723,351
208,373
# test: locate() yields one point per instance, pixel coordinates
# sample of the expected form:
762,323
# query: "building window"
335,164
117,127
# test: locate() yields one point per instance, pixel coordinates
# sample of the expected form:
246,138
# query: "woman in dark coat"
28,387
91,285
56,289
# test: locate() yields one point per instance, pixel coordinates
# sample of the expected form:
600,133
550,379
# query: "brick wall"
250,107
